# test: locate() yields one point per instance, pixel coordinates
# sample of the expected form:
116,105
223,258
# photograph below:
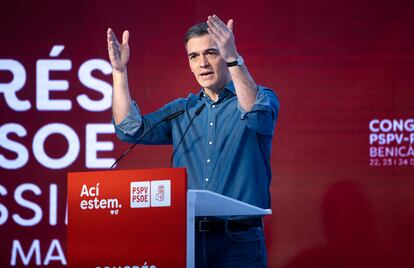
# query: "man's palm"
118,53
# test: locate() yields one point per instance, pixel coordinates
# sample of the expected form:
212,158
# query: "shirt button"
211,123
208,160
206,179
124,132
214,106
210,142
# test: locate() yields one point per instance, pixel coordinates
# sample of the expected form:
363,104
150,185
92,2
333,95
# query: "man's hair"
197,30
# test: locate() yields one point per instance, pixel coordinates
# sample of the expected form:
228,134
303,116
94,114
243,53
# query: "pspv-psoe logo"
91,200
146,194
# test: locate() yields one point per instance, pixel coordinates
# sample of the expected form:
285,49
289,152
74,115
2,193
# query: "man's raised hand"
118,53
223,35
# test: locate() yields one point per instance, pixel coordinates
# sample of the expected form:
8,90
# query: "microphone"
173,115
196,113
165,119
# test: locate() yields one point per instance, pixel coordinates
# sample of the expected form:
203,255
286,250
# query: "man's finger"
125,37
108,34
113,36
112,49
219,22
116,50
213,26
215,36
214,23
112,53
230,24
109,37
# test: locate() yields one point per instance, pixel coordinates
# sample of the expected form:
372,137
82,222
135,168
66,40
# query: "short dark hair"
197,30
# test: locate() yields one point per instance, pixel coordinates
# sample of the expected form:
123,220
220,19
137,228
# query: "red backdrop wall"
342,161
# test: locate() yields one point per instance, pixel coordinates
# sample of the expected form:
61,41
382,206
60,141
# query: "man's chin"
205,84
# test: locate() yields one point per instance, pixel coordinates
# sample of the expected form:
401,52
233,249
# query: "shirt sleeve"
127,129
147,129
263,115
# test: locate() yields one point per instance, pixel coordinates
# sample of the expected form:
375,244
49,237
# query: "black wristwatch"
238,62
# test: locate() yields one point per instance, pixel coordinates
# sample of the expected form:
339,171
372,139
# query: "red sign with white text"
127,218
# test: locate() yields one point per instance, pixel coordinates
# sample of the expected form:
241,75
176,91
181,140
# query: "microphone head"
200,109
173,115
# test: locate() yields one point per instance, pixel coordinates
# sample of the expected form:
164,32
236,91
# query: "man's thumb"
125,37
230,24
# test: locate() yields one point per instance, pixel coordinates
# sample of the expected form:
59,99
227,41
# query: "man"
226,149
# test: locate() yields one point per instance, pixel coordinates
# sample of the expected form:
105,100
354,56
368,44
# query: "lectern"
135,218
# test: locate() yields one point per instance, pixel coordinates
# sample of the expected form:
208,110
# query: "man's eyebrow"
192,54
211,50
205,51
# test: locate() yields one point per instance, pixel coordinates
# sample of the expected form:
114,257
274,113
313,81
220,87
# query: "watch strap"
238,62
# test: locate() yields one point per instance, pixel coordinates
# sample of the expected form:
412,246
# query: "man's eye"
192,57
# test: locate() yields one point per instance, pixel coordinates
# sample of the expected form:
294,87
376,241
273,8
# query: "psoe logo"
146,194
91,200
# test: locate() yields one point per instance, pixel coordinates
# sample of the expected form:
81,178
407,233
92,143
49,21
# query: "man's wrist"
119,72
232,56
236,62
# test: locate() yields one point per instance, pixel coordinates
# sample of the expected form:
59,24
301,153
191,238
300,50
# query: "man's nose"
204,62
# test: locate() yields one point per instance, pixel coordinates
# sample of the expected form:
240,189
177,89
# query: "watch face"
240,61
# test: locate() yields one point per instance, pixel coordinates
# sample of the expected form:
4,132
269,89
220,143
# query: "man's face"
206,63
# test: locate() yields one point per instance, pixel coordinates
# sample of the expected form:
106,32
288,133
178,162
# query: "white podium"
207,203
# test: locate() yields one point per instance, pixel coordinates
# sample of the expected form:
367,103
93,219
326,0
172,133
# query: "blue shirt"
226,150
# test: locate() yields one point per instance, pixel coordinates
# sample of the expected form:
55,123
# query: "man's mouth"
203,74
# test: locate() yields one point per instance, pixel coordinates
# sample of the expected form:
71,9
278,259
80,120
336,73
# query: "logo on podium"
146,194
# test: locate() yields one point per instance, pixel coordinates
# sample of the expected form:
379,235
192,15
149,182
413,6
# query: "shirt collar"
228,89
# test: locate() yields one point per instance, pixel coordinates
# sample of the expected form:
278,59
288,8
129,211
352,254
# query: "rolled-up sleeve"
129,127
263,115
150,128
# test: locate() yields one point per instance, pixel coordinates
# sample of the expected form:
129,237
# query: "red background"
335,66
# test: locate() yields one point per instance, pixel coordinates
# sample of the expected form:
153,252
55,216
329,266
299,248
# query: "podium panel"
127,218
207,203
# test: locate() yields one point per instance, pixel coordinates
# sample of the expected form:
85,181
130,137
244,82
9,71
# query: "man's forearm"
121,98
245,86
